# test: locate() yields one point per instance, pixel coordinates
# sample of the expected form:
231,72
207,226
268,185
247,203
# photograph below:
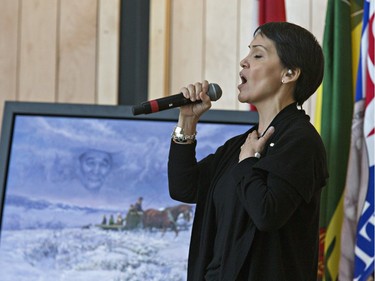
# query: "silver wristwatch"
179,136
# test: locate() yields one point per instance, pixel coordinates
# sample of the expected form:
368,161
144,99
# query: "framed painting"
84,192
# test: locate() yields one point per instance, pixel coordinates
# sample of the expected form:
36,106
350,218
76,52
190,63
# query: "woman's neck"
268,113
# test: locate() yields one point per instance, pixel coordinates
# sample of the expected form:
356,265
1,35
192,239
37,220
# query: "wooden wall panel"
298,12
77,51
67,50
221,49
248,21
318,15
225,30
108,51
9,23
187,46
37,73
159,55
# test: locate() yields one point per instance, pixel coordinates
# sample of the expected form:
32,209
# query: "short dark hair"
297,48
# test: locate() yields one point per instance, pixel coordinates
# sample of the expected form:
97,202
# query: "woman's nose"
244,63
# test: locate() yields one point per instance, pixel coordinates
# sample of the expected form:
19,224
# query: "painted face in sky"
95,166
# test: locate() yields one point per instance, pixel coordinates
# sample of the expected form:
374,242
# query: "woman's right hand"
255,144
195,92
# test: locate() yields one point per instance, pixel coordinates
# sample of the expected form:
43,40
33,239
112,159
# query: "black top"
224,202
273,230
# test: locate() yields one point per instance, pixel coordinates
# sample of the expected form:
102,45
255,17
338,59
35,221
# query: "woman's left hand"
254,145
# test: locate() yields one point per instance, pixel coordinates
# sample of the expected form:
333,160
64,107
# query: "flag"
358,175
334,119
271,10
364,247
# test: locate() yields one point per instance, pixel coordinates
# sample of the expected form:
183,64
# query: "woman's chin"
242,98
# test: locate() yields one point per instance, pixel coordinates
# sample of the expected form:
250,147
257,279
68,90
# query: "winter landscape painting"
87,199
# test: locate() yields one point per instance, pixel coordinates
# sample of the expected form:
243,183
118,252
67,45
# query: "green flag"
335,128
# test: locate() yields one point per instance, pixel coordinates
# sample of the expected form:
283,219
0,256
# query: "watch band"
179,136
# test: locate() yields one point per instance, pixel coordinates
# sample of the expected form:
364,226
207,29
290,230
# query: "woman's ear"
291,75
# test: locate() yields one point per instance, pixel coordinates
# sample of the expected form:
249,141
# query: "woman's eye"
257,56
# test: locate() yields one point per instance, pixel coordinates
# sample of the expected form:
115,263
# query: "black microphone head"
214,91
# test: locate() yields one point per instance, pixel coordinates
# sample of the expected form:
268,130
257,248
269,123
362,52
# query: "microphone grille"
214,91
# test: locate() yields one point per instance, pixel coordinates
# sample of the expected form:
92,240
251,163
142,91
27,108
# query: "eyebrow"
257,46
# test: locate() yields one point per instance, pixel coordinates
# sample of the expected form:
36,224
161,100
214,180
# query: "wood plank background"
67,50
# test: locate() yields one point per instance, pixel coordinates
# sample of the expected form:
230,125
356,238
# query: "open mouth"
243,79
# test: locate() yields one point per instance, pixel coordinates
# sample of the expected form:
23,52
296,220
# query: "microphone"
214,92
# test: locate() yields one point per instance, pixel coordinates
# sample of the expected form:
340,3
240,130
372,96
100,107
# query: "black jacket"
275,229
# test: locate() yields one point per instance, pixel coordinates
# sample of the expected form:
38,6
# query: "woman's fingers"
254,143
193,91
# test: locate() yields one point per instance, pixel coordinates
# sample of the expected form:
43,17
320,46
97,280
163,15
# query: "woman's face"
261,72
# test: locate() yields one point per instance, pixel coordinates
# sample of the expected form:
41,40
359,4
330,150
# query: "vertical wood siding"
210,37
37,50
9,27
160,43
59,51
77,51
67,50
108,51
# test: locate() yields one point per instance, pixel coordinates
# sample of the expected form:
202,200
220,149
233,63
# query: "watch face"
178,131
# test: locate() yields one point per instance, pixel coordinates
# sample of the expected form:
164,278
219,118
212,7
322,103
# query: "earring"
289,71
